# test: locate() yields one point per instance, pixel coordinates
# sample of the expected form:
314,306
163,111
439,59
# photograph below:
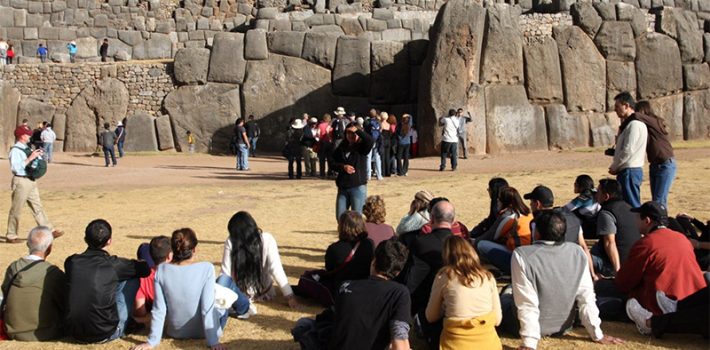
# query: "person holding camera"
24,187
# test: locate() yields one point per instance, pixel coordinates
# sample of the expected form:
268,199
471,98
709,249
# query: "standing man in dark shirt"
350,160
107,140
253,133
102,288
104,50
240,133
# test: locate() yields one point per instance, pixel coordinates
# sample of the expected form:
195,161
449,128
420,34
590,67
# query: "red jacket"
663,260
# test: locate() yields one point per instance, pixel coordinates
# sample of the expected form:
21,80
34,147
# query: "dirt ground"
150,194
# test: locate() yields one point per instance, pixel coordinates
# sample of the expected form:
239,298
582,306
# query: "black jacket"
93,277
355,155
426,261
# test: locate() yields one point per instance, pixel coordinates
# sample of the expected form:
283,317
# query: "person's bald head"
442,214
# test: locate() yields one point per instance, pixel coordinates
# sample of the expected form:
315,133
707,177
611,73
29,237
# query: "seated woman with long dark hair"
184,307
250,265
494,187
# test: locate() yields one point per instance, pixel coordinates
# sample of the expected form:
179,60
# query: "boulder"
583,70
191,66
35,111
140,133
620,77
59,125
616,42
512,123
606,10
389,81
670,108
255,47
542,71
86,48
503,53
476,135
690,39
115,46
280,88
603,128
157,47
564,130
696,115
227,64
9,101
59,57
208,111
104,101
451,71
658,66
696,76
165,133
286,43
586,17
319,48
352,67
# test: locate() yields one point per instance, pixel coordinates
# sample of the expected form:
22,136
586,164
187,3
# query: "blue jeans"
241,306
374,156
242,157
496,254
109,151
120,148
449,149
350,198
125,297
661,176
48,150
630,180
252,143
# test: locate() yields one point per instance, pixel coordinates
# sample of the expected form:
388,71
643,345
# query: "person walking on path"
449,139
629,152
662,168
120,137
24,187
253,133
107,139
463,131
242,145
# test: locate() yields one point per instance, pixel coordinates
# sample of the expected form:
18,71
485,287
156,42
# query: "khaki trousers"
24,190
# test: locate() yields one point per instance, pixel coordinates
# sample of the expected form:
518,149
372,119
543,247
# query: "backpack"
338,129
373,128
37,168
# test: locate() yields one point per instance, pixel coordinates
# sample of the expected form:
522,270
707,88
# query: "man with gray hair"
34,292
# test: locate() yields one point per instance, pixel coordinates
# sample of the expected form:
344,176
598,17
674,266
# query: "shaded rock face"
583,70
564,130
9,101
658,66
389,81
140,133
280,88
512,123
351,75
696,115
105,101
208,111
34,111
451,71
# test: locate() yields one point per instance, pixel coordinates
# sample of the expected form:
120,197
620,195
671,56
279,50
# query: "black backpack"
338,129
37,168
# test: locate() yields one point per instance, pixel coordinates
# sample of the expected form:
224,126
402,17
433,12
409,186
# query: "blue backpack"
373,128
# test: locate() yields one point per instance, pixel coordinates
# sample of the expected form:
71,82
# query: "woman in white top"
251,264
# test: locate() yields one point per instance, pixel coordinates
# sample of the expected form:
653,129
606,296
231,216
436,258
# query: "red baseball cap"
22,130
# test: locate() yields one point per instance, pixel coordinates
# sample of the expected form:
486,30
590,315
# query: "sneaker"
57,233
249,313
639,315
666,304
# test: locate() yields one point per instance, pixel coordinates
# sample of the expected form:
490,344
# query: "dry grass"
151,195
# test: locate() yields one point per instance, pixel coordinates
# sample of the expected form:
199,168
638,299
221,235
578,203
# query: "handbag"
3,331
315,285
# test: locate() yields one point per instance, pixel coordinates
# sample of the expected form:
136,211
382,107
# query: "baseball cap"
542,194
22,130
653,210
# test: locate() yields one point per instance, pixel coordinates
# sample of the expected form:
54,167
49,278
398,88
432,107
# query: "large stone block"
706,43
255,47
658,66
696,76
451,70
286,43
389,82
696,115
86,47
620,77
187,106
157,47
682,26
165,133
586,17
565,130
59,125
320,48
512,123
140,133
282,87
603,128
227,64
352,67
503,53
670,108
35,111
616,41
9,101
130,37
606,10
191,66
583,70
351,26
543,77
7,17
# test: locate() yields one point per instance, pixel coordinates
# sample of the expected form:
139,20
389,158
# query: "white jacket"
630,149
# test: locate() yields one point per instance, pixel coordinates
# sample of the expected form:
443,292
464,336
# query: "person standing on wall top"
72,51
104,51
42,53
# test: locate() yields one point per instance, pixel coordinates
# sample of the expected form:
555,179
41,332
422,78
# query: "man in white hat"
120,137
339,125
311,137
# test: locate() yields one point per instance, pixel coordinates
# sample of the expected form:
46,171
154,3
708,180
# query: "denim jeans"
252,146
449,149
661,176
242,157
374,156
109,151
241,306
120,148
630,180
350,198
48,150
125,297
496,254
